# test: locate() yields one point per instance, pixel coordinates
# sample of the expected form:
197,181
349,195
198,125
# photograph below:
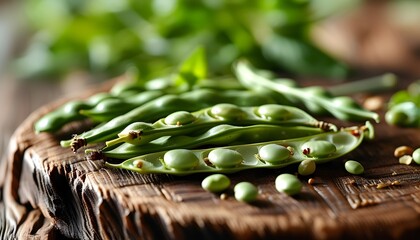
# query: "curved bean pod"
122,97
69,112
252,80
217,136
161,107
405,114
345,141
113,107
185,123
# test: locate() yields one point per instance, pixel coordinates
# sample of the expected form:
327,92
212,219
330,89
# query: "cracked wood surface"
49,192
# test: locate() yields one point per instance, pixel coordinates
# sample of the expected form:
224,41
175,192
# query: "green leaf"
192,70
300,56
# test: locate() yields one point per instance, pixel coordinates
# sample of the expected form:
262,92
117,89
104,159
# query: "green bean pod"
129,87
344,141
100,107
340,109
161,107
113,107
405,114
185,123
69,112
216,136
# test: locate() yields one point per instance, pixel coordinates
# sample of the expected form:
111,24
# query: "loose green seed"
179,118
215,183
273,153
318,148
306,167
245,192
225,158
180,159
227,111
288,184
273,111
354,167
416,155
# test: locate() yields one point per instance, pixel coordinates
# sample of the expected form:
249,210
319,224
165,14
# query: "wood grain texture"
52,192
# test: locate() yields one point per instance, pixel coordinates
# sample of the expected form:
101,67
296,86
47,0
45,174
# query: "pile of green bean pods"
99,107
219,135
162,106
321,148
69,112
200,126
183,122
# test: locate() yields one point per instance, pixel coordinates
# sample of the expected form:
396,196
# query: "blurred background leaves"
106,37
320,38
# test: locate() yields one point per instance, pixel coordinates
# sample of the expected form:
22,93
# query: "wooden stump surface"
50,192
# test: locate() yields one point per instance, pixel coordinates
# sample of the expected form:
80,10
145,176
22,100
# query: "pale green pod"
316,91
244,156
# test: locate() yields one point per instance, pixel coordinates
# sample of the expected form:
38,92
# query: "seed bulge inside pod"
180,118
274,112
273,153
227,111
180,159
318,148
225,158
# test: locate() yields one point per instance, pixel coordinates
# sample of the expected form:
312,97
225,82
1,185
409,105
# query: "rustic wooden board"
51,192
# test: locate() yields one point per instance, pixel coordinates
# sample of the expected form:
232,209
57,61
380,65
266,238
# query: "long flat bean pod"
103,106
340,107
163,106
321,148
220,135
69,112
113,107
184,123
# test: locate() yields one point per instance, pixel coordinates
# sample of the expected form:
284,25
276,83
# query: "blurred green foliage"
107,37
411,94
